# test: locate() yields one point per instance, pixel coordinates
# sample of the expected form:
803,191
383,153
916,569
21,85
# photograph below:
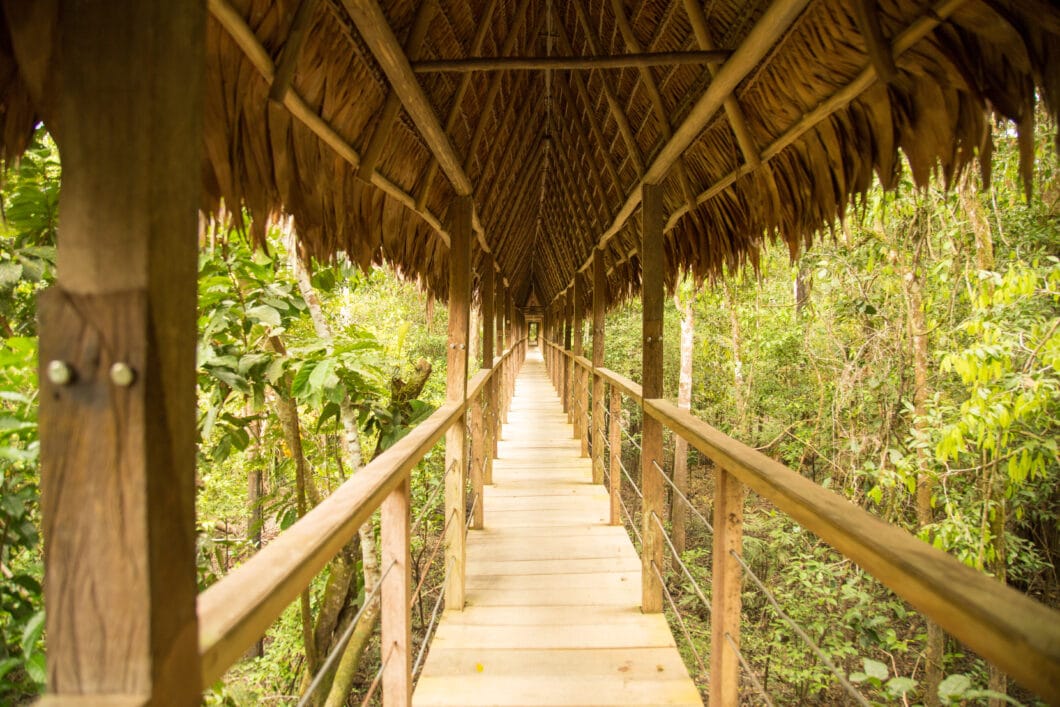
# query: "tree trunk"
917,325
740,393
254,515
678,511
346,672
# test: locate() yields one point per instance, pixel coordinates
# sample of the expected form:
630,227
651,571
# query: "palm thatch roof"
332,111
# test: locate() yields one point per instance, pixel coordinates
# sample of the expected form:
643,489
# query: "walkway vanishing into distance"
553,592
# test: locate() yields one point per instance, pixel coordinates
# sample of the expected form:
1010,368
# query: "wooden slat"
553,590
1014,632
568,63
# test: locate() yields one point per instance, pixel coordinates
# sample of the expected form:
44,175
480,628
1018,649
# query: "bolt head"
60,373
122,375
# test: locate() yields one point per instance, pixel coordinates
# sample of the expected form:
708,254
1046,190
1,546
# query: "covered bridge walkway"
532,159
552,607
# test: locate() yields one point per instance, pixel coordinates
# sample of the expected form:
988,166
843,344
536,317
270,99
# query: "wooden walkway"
553,592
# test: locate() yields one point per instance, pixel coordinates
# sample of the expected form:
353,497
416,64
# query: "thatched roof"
814,99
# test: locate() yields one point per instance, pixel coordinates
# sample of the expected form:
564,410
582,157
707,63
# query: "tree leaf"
875,669
954,687
32,633
265,314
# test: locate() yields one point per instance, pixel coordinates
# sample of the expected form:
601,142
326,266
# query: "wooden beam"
599,403
866,15
292,50
774,23
647,81
244,37
604,146
387,116
482,27
395,596
456,391
568,63
837,101
580,397
376,33
652,274
726,583
118,433
487,290
495,84
698,20
618,114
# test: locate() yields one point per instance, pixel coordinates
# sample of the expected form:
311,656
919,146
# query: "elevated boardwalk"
553,592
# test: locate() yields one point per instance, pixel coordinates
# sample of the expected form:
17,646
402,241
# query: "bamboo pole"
569,63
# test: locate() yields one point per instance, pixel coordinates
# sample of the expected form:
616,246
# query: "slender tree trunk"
740,393
917,326
254,515
351,450
678,511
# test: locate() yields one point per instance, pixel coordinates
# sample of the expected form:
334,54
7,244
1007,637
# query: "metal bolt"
60,373
122,375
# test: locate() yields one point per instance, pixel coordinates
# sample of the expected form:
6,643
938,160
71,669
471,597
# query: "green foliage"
27,260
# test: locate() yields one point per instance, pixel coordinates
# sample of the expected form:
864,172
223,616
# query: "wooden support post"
580,393
486,291
395,596
651,442
495,382
456,391
614,438
118,430
567,333
599,310
725,598
509,319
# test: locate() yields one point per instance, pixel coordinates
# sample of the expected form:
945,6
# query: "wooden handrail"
238,609
624,384
1016,633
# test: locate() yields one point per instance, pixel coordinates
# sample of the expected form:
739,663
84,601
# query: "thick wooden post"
614,438
509,319
394,597
495,381
456,391
651,264
118,429
725,598
489,402
599,310
580,393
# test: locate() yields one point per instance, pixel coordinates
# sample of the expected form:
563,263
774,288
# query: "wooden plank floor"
553,592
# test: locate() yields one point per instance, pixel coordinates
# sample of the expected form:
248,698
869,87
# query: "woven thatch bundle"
553,158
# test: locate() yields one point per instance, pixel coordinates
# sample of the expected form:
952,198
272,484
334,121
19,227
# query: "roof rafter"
568,63
495,84
590,111
618,114
647,81
417,36
377,34
774,23
479,39
292,49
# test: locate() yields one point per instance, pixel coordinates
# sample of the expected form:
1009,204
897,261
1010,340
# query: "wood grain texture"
118,464
552,611
456,391
726,583
652,262
396,640
599,394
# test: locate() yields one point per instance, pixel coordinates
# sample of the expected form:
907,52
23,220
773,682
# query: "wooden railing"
237,610
1005,627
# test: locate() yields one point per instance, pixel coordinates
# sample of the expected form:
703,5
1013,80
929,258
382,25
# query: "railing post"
725,598
578,348
652,293
563,354
599,305
614,437
481,429
395,595
456,391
